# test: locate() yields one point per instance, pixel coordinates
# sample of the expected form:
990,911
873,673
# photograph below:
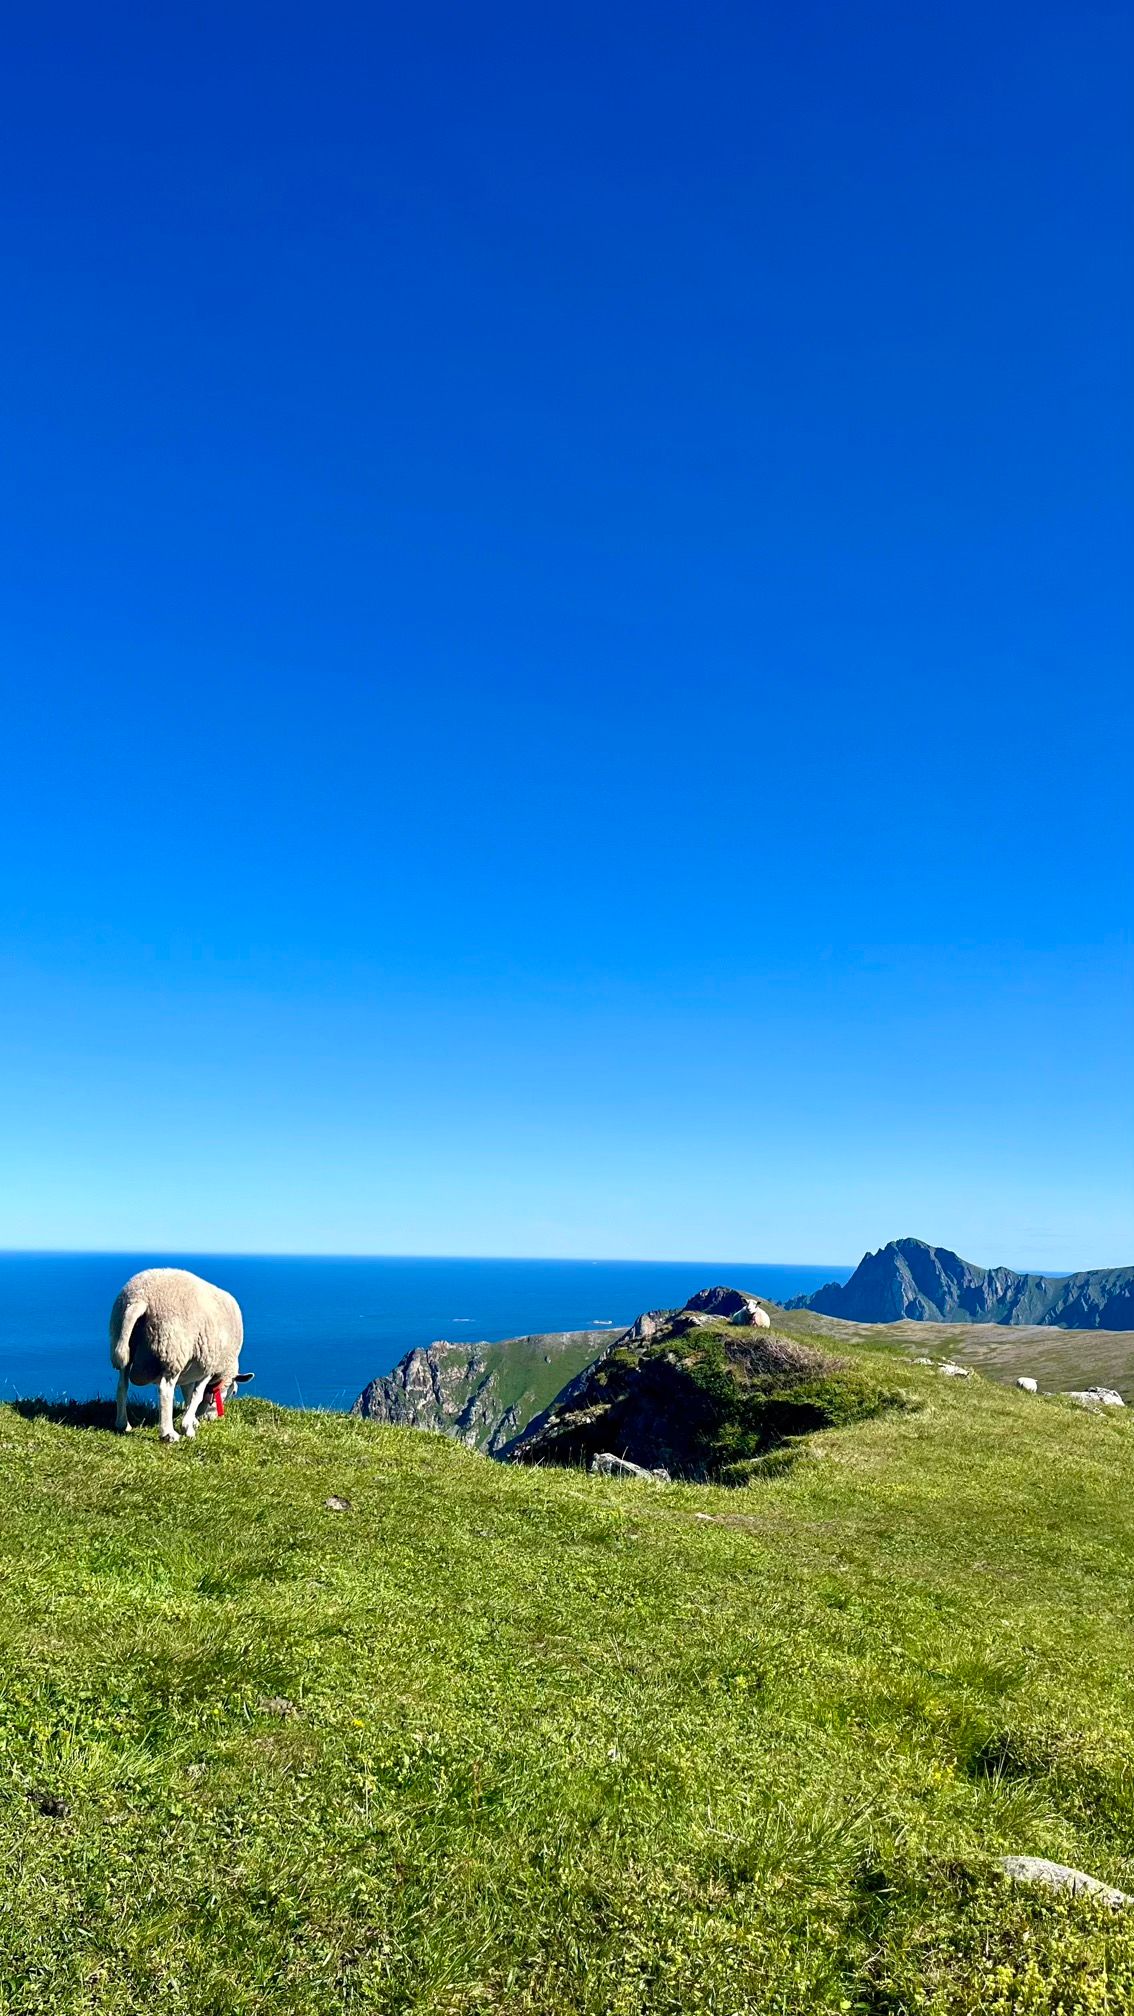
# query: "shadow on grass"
82,1413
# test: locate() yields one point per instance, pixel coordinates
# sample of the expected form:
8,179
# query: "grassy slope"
522,1378
565,1745
1059,1359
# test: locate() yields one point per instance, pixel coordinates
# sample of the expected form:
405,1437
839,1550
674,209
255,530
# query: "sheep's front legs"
122,1419
189,1418
166,1388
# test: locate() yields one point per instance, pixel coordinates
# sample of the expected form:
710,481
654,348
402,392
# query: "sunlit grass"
530,1741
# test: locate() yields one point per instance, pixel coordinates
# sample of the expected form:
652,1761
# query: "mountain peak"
908,1280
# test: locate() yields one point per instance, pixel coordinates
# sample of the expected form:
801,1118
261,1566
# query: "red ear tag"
220,1405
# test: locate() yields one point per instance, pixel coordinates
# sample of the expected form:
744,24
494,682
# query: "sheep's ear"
242,1378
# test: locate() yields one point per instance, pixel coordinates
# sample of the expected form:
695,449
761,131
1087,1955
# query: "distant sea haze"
316,1330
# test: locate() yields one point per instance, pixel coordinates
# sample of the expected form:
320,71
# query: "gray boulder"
1057,1876
648,1325
605,1465
1097,1396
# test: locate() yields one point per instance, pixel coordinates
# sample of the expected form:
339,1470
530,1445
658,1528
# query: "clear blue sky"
565,651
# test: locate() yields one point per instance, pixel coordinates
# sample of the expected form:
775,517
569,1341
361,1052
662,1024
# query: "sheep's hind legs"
121,1418
166,1389
189,1418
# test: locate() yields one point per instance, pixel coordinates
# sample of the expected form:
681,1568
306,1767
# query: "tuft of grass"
532,1741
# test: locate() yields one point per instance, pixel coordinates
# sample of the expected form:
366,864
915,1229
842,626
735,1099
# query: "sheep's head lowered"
213,1405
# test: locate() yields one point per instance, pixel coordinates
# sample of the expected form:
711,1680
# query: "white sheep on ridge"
169,1328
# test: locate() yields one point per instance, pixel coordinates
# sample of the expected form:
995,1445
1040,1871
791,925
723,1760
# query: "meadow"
478,1737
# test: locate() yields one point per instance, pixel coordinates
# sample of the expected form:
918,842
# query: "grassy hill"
524,1740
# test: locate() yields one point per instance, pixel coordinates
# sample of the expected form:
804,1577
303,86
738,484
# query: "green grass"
530,1741
524,1379
1060,1359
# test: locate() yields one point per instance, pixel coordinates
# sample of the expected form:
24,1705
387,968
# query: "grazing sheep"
169,1328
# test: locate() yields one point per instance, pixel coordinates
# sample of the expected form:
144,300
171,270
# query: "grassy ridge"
526,1740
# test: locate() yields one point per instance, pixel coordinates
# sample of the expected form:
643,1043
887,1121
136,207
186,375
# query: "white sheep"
169,1328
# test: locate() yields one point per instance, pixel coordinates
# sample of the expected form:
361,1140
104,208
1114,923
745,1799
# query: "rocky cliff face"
909,1280
481,1394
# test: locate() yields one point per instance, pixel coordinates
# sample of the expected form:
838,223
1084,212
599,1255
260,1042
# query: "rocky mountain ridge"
910,1280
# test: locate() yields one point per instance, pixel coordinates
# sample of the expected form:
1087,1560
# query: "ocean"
316,1330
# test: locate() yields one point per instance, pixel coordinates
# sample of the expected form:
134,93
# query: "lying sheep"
169,1328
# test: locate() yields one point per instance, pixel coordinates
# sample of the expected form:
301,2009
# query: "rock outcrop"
698,1395
910,1280
747,1311
487,1394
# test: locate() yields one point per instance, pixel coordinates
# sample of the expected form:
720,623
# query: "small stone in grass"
1057,1876
278,1704
606,1465
50,1805
338,1504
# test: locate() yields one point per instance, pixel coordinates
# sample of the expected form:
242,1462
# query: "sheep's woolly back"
167,1322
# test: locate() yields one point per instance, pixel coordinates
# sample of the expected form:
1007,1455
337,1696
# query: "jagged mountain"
481,1394
909,1280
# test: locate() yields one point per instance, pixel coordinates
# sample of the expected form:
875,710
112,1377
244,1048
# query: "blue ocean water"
317,1329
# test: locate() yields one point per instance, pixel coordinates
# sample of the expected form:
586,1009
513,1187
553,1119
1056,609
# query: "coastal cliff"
481,1394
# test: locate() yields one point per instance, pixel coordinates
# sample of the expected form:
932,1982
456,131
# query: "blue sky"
564,639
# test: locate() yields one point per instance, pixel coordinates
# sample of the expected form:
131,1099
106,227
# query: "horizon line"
287,1253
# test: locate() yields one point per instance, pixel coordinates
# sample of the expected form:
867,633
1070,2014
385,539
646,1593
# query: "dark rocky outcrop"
706,1391
909,1280
745,1310
700,1397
